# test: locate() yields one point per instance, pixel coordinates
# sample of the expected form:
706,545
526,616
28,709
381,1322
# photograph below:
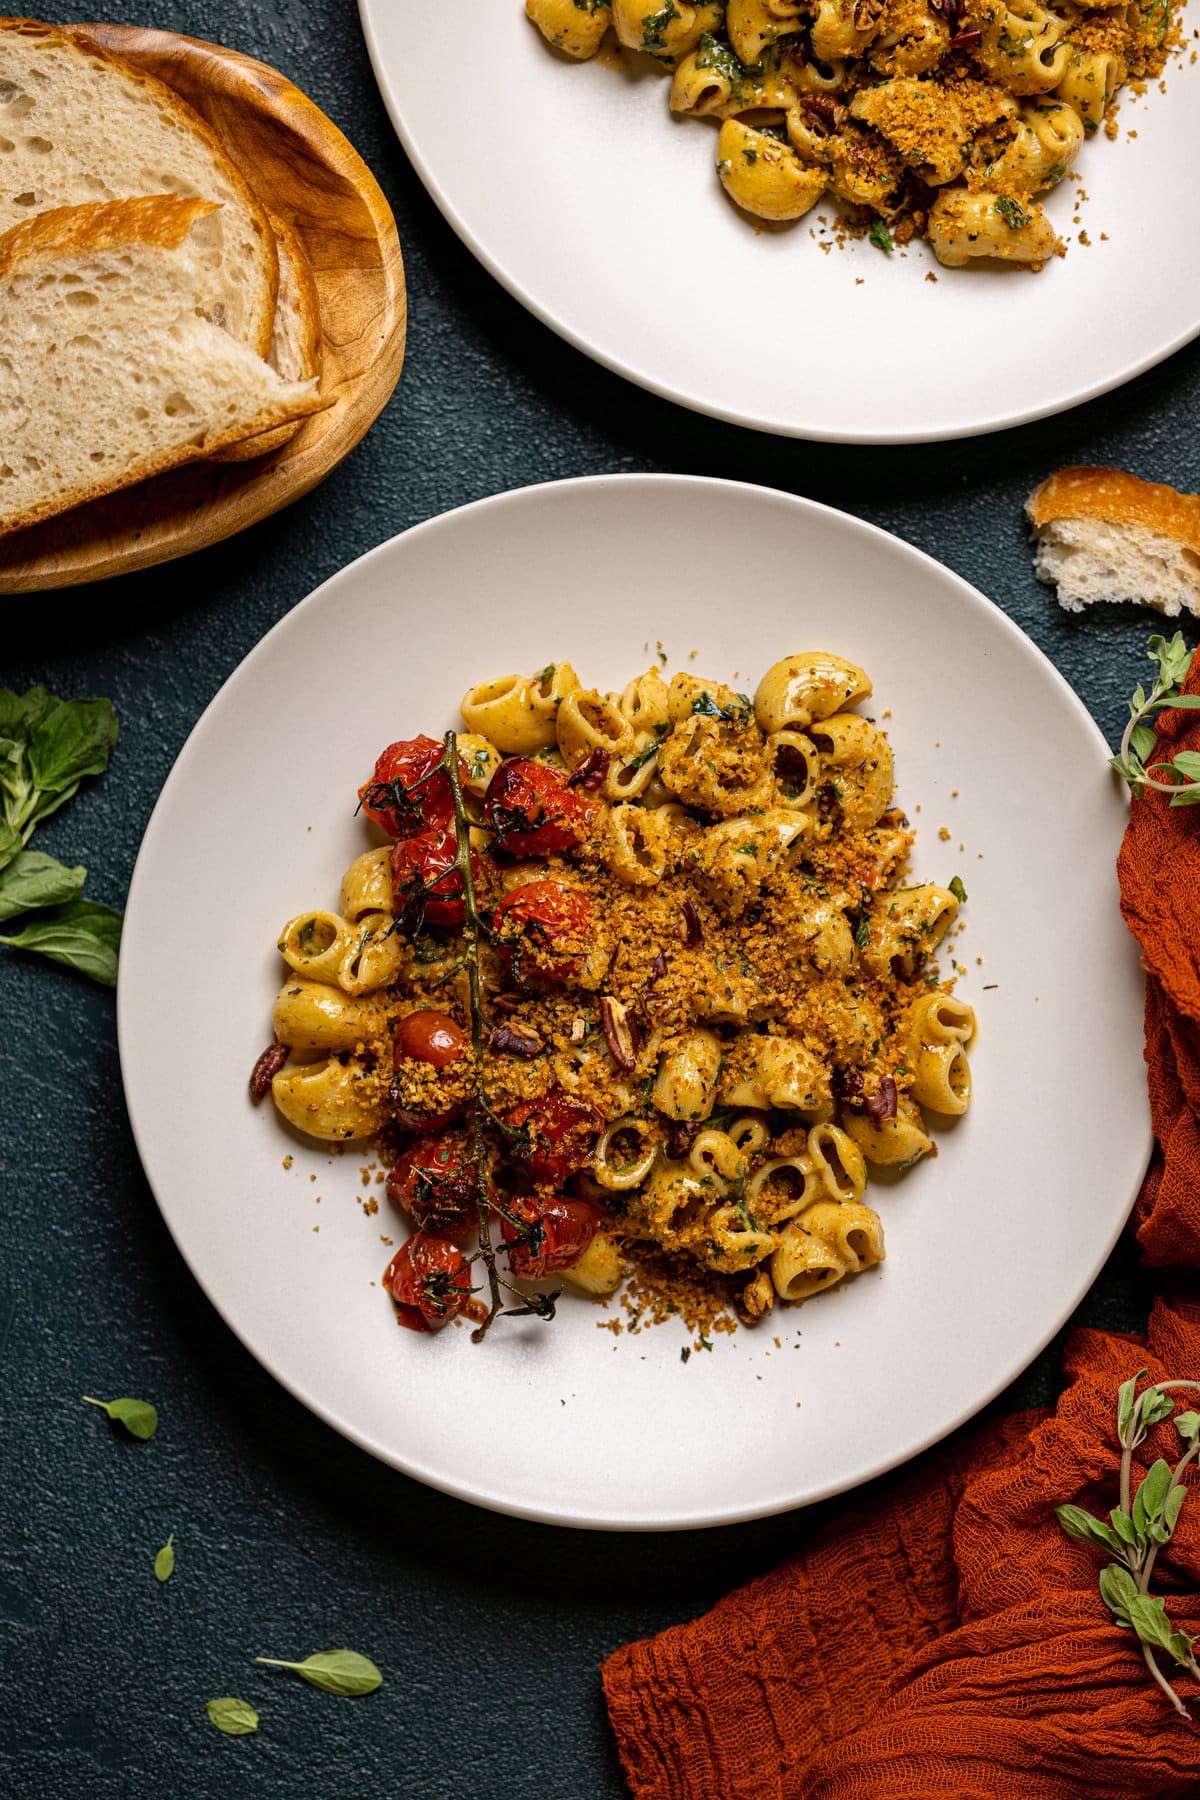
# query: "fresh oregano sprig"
1180,775
1139,1527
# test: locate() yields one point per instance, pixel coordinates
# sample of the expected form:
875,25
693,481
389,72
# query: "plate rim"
248,1338
728,415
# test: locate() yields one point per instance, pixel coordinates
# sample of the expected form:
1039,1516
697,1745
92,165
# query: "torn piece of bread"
296,343
78,125
108,373
1104,535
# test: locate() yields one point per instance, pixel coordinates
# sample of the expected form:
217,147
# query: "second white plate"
990,1246
575,186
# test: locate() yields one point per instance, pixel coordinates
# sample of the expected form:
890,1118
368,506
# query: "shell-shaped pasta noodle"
367,884
710,82
732,1241
754,25
635,845
810,685
770,1071
644,703
715,1154
599,1269
893,1143
749,1134
784,1186
332,1100
824,930
312,1015
1047,142
1089,81
479,759
905,926
793,760
667,32
804,1265
861,757
838,1162
375,958
317,943
835,34
736,856
941,1019
587,722
1022,46
628,777
576,30
686,1083
503,711
815,77
549,688
701,768
763,176
913,42
855,1232
672,1200
624,1154
923,120
941,1078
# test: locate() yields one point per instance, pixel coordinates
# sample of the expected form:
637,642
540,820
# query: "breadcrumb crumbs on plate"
287,1162
385,1240
943,834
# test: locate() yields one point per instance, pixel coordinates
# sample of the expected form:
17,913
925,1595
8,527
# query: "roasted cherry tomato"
533,810
394,802
567,1228
555,1137
542,931
432,1037
426,887
436,1185
430,1280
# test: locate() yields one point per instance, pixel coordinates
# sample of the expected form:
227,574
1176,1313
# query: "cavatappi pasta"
940,118
708,1000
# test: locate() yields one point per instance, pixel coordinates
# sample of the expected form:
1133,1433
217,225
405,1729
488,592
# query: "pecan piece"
882,1106
620,1032
591,771
692,932
265,1069
681,1135
515,1040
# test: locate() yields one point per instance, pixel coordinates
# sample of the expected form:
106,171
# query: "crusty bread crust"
1118,498
297,292
104,226
161,221
73,38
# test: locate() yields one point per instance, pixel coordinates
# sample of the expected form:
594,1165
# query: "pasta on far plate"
934,118
629,979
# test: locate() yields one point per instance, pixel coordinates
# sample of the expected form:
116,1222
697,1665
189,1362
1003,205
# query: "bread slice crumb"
1105,535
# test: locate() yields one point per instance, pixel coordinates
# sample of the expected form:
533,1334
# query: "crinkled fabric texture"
946,1637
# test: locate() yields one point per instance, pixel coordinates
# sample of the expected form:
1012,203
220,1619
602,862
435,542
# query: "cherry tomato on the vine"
428,1036
567,1228
554,1137
390,797
426,886
533,810
435,1184
542,931
430,1280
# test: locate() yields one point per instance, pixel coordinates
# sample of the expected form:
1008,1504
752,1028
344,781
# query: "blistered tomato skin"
553,1137
407,810
434,1183
431,1275
425,880
431,1037
542,931
533,810
567,1228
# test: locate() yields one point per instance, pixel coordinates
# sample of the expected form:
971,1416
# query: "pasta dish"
939,118
629,972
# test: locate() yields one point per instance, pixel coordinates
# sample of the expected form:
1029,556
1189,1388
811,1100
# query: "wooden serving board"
301,167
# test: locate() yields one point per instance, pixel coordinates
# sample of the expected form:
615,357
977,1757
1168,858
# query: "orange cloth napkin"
946,1638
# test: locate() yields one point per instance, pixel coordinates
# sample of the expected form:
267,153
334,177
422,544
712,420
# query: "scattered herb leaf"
236,1718
881,237
333,1671
34,879
83,935
139,1418
958,890
164,1562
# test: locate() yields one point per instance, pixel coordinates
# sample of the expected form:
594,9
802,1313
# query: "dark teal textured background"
489,1630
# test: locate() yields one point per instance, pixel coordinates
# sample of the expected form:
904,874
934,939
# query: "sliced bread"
296,342
78,125
108,373
1104,535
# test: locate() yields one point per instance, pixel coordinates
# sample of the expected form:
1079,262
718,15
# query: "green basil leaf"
1148,1616
1085,1529
1187,1424
164,1562
1123,1526
82,935
11,843
19,713
236,1718
334,1671
1125,1396
139,1418
73,738
1117,1589
33,879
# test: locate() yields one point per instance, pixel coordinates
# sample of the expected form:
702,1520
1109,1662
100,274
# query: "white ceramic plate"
990,1246
574,185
